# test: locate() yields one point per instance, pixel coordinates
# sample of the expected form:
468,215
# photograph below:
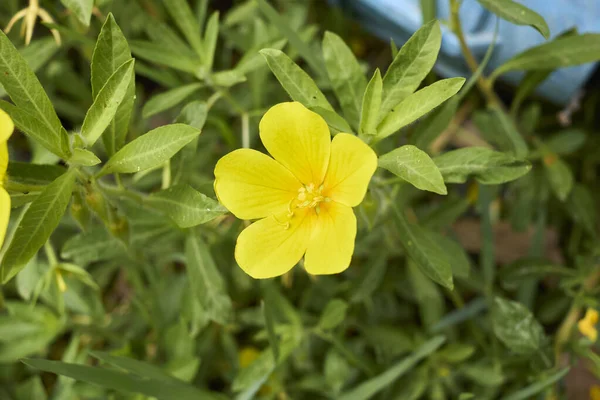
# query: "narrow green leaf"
22,176
559,176
111,52
228,78
270,324
333,314
36,129
369,388
27,93
297,83
169,99
123,381
81,8
559,53
151,149
488,166
38,223
415,167
186,206
284,27
166,56
516,327
211,35
581,207
518,14
92,246
424,251
333,119
500,124
371,104
83,157
185,20
538,386
136,367
566,142
418,104
410,66
206,281
346,76
105,106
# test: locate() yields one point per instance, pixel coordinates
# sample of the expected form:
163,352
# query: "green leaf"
369,388
111,52
515,273
538,386
169,99
333,314
186,206
81,8
185,20
284,27
123,381
151,149
516,327
415,167
297,83
211,35
424,251
559,53
581,207
109,98
38,223
27,93
371,104
166,56
410,66
270,324
92,246
418,104
335,122
559,176
206,281
487,166
135,367
23,177
345,74
518,14
566,142
228,78
83,157
498,125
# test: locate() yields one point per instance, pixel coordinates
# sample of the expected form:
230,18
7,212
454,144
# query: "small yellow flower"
587,325
302,197
6,128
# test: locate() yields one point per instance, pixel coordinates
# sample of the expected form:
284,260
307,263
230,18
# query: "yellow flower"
302,197
6,128
587,325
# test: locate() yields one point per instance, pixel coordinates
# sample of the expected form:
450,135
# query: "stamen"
286,225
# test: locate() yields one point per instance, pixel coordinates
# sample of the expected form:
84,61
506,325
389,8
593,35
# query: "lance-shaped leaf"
516,326
371,104
105,106
415,167
488,166
27,93
297,83
206,281
111,52
518,14
410,66
185,206
82,9
418,104
345,74
151,150
37,224
185,20
171,98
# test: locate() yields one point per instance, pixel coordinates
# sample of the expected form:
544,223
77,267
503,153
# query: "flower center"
310,196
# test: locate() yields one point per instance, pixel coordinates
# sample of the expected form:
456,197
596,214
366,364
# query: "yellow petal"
6,126
4,213
351,166
3,161
587,325
332,242
252,185
299,139
269,248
